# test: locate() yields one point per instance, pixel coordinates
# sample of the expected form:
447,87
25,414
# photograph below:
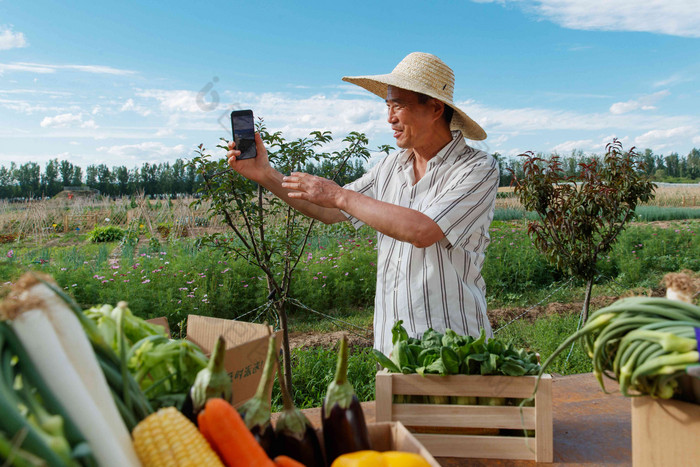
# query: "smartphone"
243,128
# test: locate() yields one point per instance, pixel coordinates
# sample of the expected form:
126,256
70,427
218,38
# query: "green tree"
121,175
77,179
649,161
693,163
29,178
8,181
91,176
49,181
66,170
105,180
673,166
579,218
268,233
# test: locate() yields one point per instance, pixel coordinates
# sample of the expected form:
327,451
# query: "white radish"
77,347
38,336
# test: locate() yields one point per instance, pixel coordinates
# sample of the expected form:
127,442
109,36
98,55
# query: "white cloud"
178,100
61,121
45,69
661,139
89,124
129,105
148,149
674,17
644,103
66,120
10,39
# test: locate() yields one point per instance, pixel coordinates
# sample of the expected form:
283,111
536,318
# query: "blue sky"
128,82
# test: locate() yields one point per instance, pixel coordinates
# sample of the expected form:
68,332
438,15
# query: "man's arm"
322,199
403,224
260,171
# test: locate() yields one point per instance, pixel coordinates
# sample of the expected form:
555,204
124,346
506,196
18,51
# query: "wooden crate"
392,436
664,432
451,428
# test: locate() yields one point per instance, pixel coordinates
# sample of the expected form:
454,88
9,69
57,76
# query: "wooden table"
590,427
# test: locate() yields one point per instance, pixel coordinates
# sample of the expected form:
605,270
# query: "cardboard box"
246,348
474,431
664,432
392,436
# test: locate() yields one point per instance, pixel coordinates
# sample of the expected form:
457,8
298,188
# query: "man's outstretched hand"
317,190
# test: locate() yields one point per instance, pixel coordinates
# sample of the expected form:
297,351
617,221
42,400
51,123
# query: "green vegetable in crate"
645,343
450,353
165,368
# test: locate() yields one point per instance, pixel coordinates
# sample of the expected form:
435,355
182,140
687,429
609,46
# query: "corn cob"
168,438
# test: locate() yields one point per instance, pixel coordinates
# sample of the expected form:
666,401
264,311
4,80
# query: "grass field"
166,273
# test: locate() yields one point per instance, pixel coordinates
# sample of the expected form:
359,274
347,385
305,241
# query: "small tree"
580,216
268,233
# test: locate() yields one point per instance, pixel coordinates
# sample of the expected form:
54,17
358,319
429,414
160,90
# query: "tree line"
29,181
180,178
671,168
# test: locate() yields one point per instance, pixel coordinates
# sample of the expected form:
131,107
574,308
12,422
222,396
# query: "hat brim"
377,84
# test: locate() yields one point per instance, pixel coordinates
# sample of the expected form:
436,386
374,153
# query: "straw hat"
427,74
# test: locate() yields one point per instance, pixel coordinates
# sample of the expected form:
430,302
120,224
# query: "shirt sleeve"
365,185
466,203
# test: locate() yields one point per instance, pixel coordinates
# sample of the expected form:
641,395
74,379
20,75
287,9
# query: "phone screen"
244,133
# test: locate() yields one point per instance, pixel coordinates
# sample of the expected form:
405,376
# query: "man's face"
410,120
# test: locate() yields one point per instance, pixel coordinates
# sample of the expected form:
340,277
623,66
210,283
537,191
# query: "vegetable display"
645,343
344,427
68,397
450,354
52,335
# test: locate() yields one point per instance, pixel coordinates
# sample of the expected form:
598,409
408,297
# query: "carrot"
230,436
202,424
286,461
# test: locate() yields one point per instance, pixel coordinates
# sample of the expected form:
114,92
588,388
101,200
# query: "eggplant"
257,410
344,427
295,435
212,381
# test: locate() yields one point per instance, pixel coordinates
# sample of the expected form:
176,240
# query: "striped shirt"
440,286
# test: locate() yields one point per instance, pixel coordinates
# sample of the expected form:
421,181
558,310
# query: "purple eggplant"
295,435
256,411
344,427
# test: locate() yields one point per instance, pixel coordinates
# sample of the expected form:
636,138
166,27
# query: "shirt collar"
456,146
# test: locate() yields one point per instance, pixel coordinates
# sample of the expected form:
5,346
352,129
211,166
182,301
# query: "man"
431,203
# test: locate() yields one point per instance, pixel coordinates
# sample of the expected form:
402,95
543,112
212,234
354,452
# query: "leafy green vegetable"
451,353
164,368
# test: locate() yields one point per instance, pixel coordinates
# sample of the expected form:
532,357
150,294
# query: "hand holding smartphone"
243,128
